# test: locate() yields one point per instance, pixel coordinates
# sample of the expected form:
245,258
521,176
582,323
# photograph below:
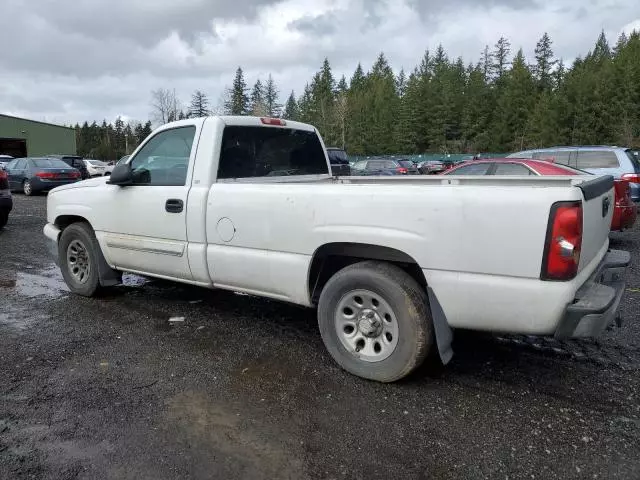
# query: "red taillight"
75,174
46,175
622,191
273,121
3,175
401,170
631,177
563,243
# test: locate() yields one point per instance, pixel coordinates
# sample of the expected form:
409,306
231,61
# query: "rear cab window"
249,152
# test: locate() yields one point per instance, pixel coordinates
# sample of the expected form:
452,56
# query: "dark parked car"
384,166
74,161
6,202
339,161
32,175
431,167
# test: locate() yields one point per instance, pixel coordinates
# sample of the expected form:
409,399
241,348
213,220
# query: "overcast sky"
70,61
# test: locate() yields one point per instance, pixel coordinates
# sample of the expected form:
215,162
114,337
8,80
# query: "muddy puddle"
46,284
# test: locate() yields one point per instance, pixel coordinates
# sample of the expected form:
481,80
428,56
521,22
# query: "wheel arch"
329,258
332,257
63,221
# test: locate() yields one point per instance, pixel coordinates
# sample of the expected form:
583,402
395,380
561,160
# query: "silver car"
600,160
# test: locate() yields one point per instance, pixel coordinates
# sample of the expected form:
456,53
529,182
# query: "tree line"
109,141
502,103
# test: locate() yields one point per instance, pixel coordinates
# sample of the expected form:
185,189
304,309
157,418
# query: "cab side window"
164,160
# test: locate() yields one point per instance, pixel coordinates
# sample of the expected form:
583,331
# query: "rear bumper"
596,303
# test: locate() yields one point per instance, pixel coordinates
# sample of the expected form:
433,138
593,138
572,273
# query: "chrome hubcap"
78,261
366,325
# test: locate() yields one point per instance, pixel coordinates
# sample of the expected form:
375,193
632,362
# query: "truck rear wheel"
78,259
375,321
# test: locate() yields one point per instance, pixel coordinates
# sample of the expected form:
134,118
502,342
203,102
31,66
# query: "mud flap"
108,276
443,332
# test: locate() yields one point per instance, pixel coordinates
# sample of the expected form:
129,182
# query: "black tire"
409,303
4,218
79,234
27,188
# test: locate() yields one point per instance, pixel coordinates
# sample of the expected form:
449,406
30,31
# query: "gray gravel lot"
243,388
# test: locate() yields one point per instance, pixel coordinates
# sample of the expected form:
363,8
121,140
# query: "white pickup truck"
393,264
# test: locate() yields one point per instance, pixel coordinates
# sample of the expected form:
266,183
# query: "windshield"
406,163
96,163
49,163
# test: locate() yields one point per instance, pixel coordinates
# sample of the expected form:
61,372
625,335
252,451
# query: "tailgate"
597,211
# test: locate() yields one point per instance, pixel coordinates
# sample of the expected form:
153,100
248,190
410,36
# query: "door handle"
174,205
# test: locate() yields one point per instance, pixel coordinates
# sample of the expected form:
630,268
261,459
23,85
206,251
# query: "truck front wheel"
79,259
375,321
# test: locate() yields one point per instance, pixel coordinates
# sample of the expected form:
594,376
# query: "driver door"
144,224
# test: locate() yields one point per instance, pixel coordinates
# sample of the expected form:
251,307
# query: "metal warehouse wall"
42,138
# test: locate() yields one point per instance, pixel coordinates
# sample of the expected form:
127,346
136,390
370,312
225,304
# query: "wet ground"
109,388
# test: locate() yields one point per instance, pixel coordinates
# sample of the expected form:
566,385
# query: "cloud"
98,59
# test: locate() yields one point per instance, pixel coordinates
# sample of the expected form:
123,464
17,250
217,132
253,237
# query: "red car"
624,213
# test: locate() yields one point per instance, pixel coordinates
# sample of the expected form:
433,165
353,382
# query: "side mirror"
121,175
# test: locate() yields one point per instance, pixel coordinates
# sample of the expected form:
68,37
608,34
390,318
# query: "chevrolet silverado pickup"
393,264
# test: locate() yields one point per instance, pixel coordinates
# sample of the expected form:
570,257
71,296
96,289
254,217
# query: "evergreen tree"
544,63
380,107
500,58
342,85
406,117
321,103
199,105
514,106
147,130
256,100
356,121
119,140
476,114
237,102
291,108
273,108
